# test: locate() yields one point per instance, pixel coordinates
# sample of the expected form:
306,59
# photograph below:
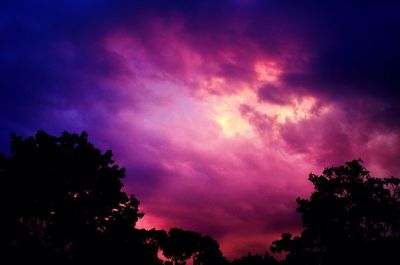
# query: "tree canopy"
256,259
60,198
61,202
350,218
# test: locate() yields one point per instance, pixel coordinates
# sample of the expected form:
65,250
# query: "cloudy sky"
218,110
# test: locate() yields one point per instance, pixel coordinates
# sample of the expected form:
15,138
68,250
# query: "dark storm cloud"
49,60
354,52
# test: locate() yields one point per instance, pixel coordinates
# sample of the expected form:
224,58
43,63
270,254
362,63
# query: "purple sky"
217,109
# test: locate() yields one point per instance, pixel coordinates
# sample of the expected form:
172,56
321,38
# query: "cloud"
274,94
218,109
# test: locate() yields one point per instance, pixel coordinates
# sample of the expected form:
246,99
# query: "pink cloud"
204,148
218,121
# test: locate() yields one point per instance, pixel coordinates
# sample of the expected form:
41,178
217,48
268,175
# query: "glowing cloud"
218,109
267,71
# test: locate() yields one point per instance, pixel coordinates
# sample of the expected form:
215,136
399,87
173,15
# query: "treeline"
61,203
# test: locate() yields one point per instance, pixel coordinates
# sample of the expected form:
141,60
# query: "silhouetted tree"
256,259
179,245
350,218
61,201
209,253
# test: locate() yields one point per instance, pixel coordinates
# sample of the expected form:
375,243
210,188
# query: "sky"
218,110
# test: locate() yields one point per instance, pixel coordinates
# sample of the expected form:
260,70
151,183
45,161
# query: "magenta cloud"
218,110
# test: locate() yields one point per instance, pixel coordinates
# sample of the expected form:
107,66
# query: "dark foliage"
350,218
209,253
256,259
179,245
61,203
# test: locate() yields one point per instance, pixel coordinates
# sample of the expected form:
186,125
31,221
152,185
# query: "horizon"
218,110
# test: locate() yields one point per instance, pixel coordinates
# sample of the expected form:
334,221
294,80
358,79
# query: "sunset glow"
218,110
267,71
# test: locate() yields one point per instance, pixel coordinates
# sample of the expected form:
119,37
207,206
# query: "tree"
256,259
209,253
179,245
350,218
61,201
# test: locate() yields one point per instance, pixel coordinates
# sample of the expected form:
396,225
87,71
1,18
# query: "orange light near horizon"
150,222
